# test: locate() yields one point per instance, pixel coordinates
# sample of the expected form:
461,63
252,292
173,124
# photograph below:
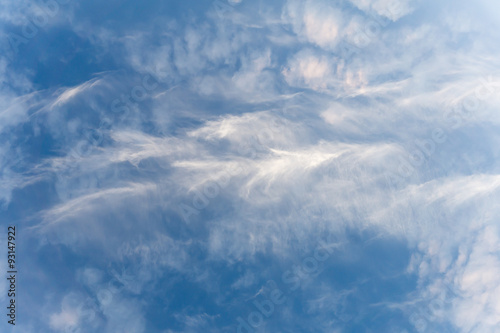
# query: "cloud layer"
173,165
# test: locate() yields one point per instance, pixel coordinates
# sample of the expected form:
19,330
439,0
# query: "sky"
251,166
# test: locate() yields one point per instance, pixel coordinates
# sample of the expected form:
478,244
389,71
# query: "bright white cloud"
315,21
391,9
297,137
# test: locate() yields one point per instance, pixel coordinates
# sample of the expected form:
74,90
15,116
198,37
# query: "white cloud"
391,9
307,69
64,320
74,315
318,166
466,260
315,21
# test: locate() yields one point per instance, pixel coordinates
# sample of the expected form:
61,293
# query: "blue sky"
251,166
